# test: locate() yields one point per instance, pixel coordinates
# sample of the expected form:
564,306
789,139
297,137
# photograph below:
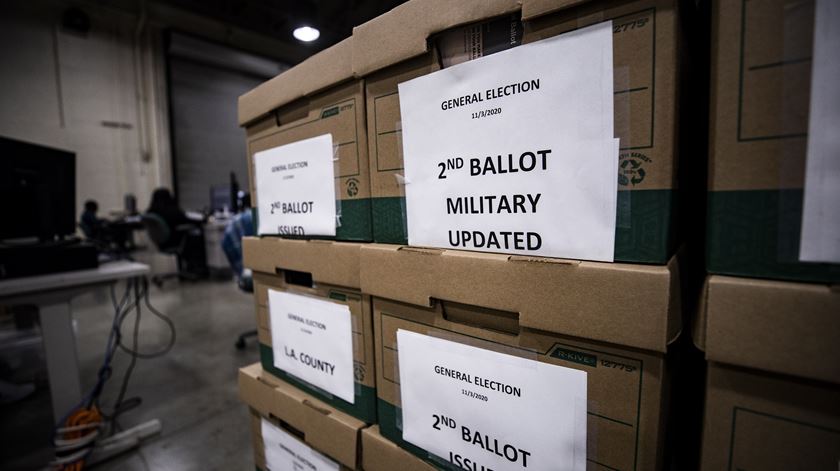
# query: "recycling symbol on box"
352,187
633,168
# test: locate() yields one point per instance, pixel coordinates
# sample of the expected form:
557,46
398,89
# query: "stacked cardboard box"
317,97
323,270
414,39
773,380
325,434
773,385
761,80
614,321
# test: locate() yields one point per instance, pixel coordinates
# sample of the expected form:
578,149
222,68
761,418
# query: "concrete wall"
101,95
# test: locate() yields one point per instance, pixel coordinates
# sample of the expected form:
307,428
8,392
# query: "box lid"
776,326
537,8
630,305
328,67
403,32
330,262
325,429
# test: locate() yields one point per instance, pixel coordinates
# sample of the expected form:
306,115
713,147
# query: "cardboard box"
259,443
318,96
327,270
403,44
320,426
583,315
380,454
761,78
773,385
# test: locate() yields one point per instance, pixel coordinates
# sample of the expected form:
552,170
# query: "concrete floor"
192,389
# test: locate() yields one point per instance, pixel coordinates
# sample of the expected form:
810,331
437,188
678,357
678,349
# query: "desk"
52,294
214,232
122,230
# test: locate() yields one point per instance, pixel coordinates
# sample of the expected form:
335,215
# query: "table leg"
62,359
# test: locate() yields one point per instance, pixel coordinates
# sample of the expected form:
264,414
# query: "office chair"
159,232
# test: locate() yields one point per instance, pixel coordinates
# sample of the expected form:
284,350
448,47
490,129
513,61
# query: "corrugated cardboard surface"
645,82
761,421
385,147
334,263
339,111
334,266
325,429
631,305
326,68
401,33
627,403
380,454
257,440
781,327
760,92
761,81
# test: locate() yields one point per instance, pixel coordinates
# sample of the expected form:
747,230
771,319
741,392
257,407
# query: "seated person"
90,224
182,229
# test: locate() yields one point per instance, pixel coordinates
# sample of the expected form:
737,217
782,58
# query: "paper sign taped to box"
285,452
295,186
312,339
515,152
820,241
480,409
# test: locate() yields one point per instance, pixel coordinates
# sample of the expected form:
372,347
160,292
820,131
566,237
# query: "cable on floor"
76,434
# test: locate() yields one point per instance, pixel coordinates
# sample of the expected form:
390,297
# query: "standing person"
240,226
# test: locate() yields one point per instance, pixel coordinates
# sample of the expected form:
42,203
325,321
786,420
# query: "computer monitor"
37,191
220,198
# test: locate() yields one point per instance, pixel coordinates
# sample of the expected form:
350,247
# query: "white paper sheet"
284,452
295,186
536,142
820,240
495,410
312,339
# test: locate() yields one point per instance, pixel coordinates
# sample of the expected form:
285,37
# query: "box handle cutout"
292,277
319,409
285,426
505,322
297,110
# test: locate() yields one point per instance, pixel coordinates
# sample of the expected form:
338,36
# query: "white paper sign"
477,408
296,188
515,152
284,452
312,339
820,240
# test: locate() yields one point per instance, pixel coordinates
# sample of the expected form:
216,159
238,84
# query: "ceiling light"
306,34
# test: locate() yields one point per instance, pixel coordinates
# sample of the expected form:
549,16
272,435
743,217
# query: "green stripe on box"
356,224
389,226
644,225
389,418
364,407
756,234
